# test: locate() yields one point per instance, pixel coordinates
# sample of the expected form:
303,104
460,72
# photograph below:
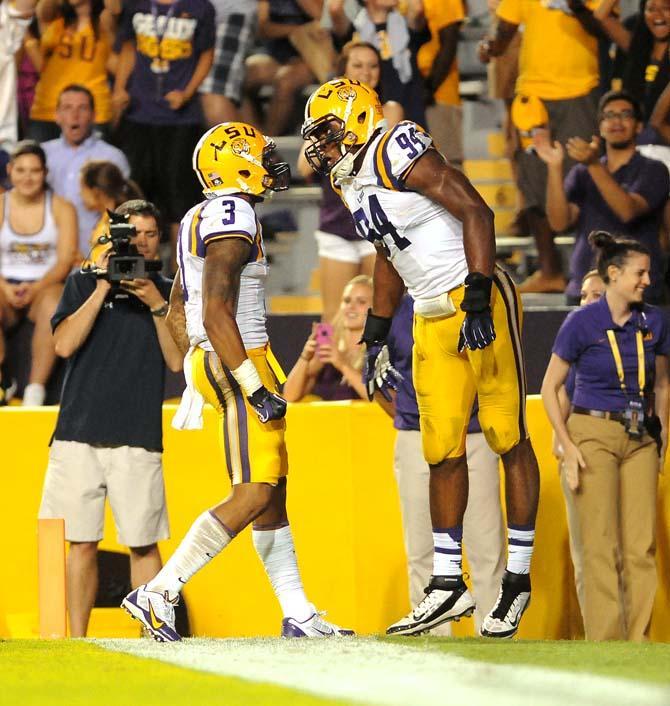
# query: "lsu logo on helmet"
342,112
236,158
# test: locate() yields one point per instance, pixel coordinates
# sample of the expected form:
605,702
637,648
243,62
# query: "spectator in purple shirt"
621,192
484,529
614,437
167,50
593,288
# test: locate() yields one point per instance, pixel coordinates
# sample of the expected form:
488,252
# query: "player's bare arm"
388,285
491,47
224,263
433,177
221,286
436,179
176,316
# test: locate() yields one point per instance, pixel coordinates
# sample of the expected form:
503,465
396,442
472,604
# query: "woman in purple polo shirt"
615,438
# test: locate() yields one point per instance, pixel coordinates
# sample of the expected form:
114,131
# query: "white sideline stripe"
372,672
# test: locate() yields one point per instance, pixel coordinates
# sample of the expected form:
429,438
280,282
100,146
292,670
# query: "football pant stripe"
242,427
231,422
222,401
509,296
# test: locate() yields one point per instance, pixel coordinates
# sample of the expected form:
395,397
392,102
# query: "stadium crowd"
104,101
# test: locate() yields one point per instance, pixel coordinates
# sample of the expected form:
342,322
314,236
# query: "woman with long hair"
103,189
330,365
343,254
38,240
75,48
614,440
646,70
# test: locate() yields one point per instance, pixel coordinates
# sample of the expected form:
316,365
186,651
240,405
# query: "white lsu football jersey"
424,242
212,221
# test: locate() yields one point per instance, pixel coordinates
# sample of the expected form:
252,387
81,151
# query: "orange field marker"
51,577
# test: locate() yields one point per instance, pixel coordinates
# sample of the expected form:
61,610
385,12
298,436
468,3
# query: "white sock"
275,548
448,556
34,394
206,538
520,540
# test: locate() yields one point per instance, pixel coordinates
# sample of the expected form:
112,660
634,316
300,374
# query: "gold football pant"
254,452
446,381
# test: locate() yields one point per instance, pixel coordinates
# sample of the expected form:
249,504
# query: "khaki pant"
445,124
483,527
616,512
574,538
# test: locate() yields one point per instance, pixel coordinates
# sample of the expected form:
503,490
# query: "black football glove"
267,405
378,371
477,330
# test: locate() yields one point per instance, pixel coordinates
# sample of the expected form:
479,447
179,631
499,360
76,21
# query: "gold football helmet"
341,112
236,158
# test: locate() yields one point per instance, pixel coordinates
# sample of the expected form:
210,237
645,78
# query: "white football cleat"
513,600
447,598
155,611
314,626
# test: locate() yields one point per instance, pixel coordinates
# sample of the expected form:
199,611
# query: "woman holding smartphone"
615,437
329,367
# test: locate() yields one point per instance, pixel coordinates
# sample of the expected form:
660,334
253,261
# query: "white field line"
373,672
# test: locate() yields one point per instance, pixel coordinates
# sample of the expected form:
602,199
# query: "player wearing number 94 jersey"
434,235
217,312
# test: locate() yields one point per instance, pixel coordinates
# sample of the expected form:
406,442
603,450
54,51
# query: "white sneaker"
34,394
314,626
155,611
513,600
447,598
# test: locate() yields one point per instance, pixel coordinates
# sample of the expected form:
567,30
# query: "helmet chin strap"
344,166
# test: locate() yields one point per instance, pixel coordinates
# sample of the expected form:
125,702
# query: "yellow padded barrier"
344,512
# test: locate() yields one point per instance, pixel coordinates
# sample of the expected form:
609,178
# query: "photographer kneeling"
108,437
615,437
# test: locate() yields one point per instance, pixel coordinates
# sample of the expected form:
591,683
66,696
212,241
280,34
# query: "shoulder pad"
397,152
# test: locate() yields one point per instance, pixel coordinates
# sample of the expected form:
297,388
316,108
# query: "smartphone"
323,333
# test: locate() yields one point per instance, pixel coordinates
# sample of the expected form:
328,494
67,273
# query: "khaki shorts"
78,479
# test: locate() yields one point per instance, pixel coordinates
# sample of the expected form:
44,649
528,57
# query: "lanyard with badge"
160,66
634,412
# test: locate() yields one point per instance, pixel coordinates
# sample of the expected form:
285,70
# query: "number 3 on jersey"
380,227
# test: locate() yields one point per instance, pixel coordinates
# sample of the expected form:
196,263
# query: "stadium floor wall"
345,515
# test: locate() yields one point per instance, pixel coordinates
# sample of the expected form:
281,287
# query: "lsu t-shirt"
169,39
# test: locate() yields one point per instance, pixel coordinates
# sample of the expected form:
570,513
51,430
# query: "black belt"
614,416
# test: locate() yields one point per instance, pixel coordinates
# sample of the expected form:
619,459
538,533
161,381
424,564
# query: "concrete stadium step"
498,195
495,143
295,304
503,219
487,170
315,281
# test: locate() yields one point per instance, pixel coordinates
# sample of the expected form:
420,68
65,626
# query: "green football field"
381,671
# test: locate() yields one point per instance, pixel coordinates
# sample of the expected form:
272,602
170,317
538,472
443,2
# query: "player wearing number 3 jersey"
217,308
434,235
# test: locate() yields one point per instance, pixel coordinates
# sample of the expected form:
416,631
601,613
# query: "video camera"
124,261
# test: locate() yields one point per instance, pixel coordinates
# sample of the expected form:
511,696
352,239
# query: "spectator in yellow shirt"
438,64
75,47
558,80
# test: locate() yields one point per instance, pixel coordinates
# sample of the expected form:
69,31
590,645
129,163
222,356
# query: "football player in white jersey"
434,235
218,305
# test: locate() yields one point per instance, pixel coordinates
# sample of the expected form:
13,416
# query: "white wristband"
247,377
